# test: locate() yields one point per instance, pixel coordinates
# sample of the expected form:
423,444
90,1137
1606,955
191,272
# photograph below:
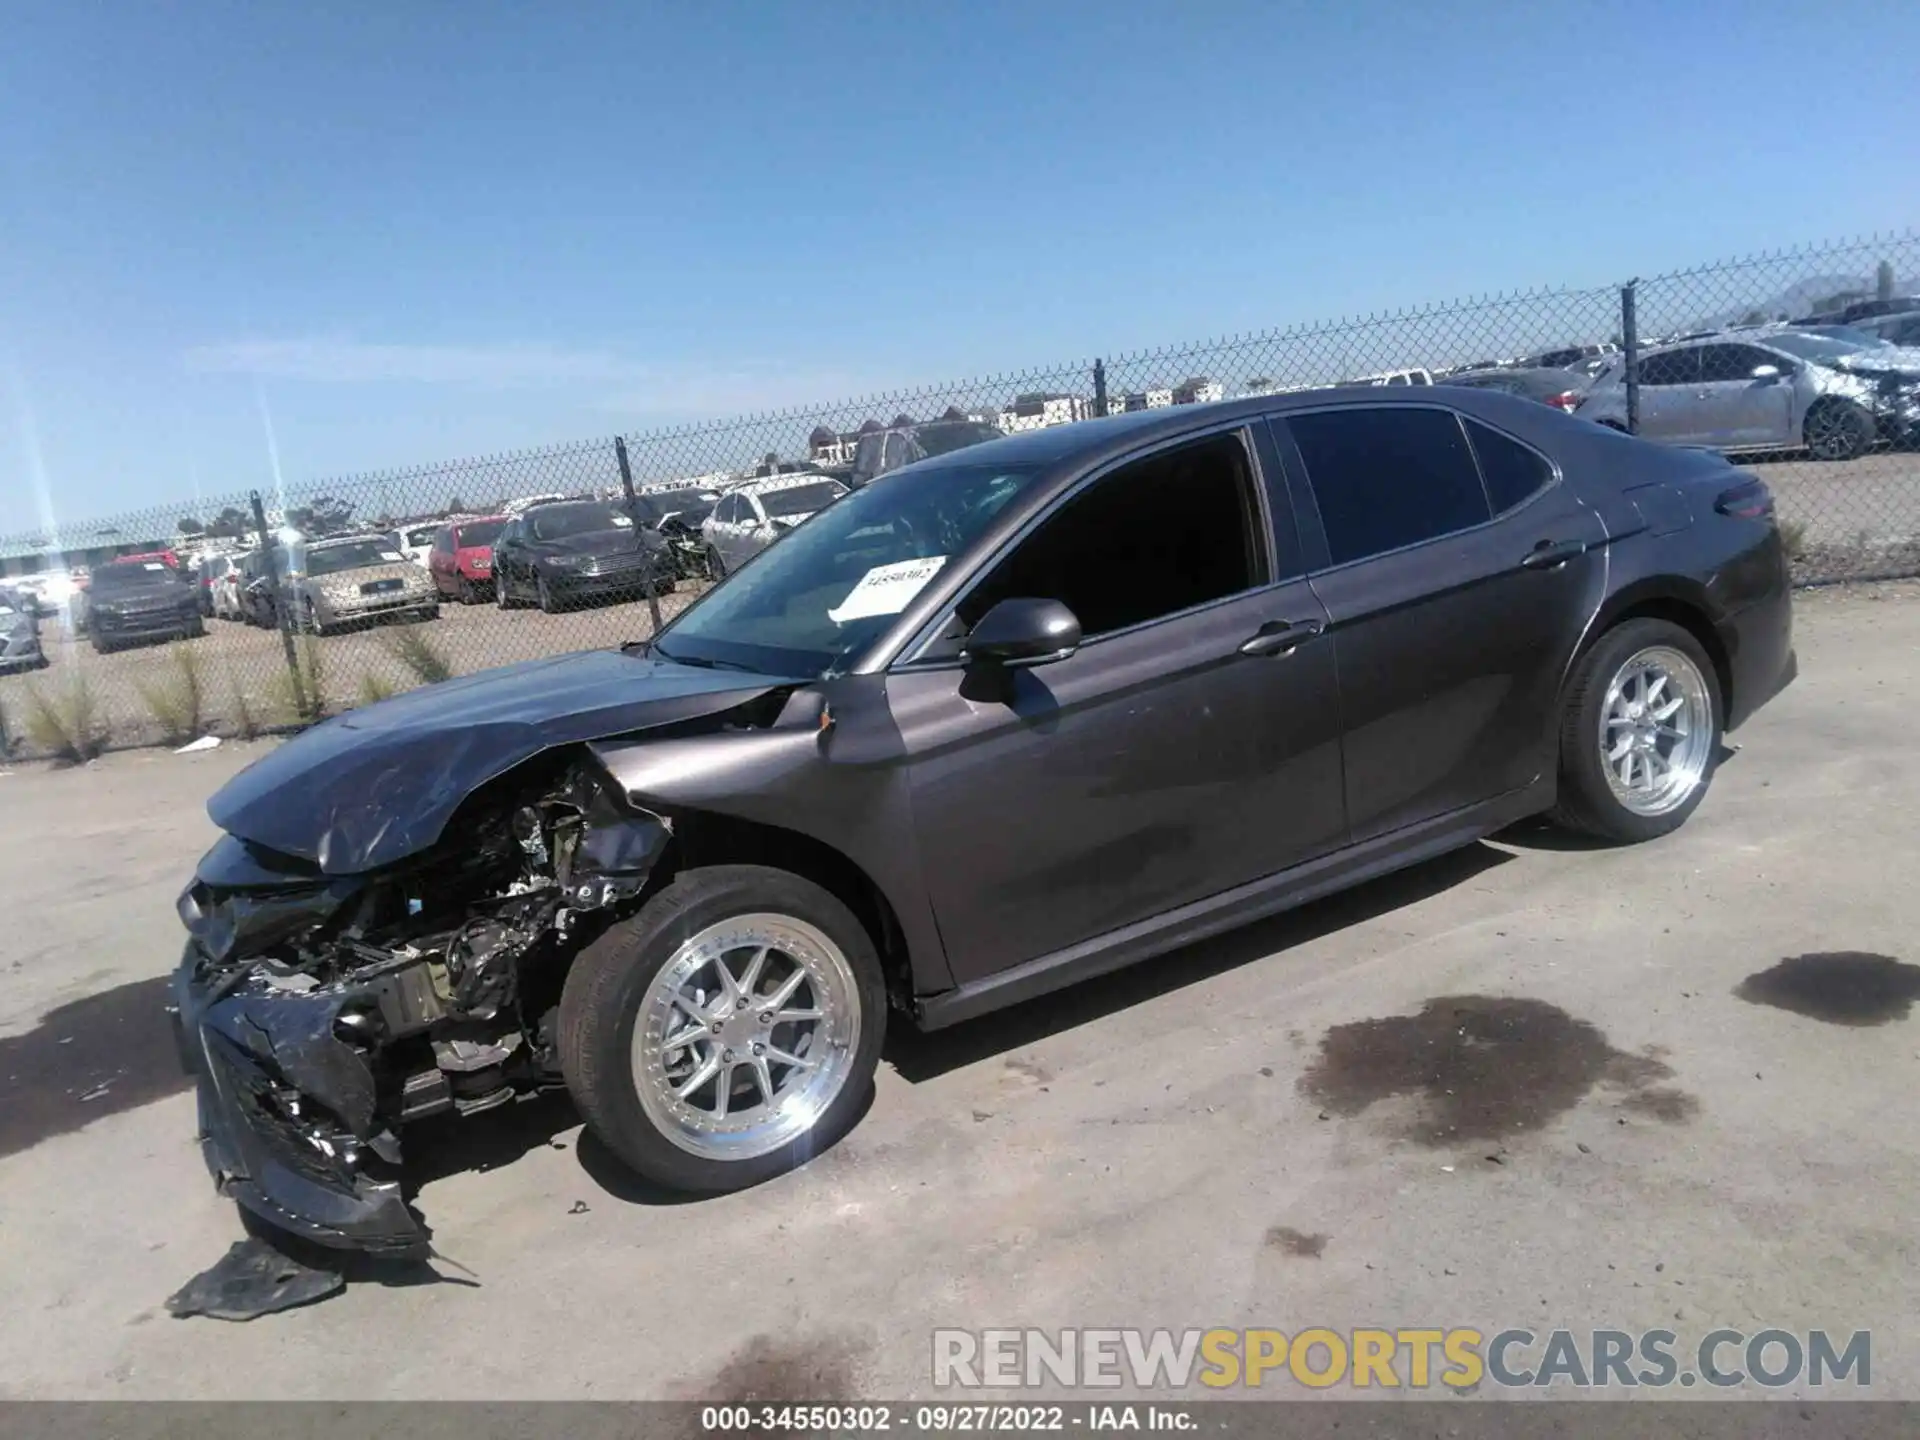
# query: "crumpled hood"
1894,359
373,786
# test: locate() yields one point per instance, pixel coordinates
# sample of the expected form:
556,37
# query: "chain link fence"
347,590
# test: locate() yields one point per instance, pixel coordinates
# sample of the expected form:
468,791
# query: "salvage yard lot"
1297,1124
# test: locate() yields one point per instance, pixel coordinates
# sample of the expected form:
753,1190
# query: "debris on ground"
250,1280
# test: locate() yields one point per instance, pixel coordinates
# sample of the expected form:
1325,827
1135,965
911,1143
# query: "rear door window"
1388,477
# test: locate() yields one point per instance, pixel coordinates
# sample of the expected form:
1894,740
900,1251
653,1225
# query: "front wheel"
1639,734
727,1032
549,602
1838,430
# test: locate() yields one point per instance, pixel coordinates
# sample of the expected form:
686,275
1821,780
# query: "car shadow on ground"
919,1057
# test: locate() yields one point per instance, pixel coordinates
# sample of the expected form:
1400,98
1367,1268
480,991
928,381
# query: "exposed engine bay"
322,1013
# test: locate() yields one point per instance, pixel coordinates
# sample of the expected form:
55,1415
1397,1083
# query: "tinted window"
481,532
1670,367
1388,477
358,555
1721,363
1511,470
1151,538
132,574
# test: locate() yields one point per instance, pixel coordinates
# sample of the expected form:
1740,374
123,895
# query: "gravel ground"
1689,1126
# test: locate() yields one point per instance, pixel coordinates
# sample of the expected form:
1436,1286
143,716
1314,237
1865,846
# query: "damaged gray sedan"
996,722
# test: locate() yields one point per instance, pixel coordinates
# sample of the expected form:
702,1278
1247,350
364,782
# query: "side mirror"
1766,372
1019,632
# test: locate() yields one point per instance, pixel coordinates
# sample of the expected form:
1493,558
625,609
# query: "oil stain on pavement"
1842,987
765,1369
90,1058
1482,1067
1297,1243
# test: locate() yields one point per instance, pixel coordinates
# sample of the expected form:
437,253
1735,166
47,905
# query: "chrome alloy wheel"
1656,731
746,1036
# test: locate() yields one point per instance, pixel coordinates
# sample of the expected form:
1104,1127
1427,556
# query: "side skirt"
1233,908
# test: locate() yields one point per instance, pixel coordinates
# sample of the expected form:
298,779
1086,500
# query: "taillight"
1749,500
1565,400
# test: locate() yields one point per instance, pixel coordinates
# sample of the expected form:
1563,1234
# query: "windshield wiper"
700,662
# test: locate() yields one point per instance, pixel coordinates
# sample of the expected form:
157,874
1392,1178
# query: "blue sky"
424,230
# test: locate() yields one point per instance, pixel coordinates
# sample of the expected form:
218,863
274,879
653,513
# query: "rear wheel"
728,1031
1640,733
1838,430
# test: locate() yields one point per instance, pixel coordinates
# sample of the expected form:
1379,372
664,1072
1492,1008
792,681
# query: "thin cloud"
355,362
614,384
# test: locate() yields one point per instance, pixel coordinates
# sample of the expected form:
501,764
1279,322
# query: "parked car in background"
1567,356
751,517
415,540
856,785
1415,376
20,633
258,601
577,550
134,600
881,451
527,502
50,591
461,558
1559,388
207,573
1783,389
1863,310
676,517
353,578
226,587
1900,329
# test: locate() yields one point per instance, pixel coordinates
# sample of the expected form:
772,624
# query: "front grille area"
618,564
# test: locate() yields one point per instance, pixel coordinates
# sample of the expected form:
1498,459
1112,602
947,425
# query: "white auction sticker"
886,589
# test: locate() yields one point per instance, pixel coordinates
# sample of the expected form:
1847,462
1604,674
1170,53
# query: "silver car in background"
752,516
1783,389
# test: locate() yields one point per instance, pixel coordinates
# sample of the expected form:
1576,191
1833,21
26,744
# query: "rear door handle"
1550,553
1281,637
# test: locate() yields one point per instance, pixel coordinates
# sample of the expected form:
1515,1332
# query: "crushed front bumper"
287,1113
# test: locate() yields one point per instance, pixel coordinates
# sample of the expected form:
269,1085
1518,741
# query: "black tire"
197,629
502,592
716,567
102,646
310,620
608,982
1837,430
464,593
1586,800
549,602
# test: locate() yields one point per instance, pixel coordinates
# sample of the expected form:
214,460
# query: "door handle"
1549,554
1281,637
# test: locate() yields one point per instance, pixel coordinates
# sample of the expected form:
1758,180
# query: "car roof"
332,541
793,480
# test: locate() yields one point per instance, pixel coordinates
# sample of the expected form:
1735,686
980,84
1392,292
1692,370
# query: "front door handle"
1281,637
1549,554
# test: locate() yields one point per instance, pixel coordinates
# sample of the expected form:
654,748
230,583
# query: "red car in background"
461,560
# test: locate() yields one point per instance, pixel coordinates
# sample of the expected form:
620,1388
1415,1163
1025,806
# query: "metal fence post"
280,611
1630,347
1099,387
633,518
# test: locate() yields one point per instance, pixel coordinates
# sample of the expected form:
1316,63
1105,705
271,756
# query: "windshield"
128,576
422,534
1820,348
558,522
944,437
332,559
802,499
480,532
824,593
